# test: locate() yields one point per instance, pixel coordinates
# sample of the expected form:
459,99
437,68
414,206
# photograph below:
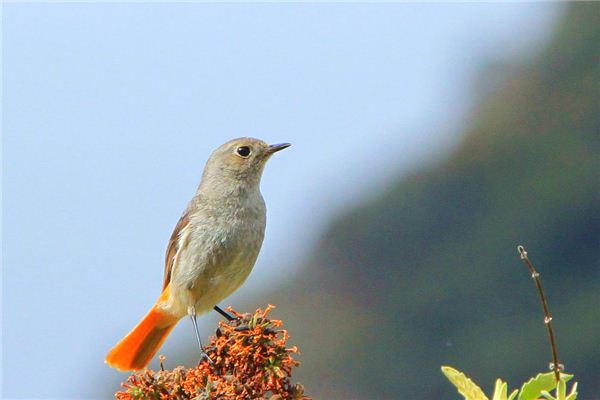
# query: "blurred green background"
426,273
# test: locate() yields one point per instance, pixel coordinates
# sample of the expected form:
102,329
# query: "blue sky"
111,109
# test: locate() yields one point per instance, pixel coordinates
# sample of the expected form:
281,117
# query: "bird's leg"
203,354
225,314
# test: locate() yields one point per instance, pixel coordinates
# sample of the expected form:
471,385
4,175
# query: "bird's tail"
136,349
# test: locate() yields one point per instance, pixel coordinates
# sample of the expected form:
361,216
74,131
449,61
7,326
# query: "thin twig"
555,366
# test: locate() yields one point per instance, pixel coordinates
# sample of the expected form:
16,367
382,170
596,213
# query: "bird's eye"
243,151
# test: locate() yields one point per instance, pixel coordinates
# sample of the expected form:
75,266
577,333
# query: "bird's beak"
274,148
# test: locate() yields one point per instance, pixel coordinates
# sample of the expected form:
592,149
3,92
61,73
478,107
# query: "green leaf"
561,390
500,390
513,394
547,395
466,387
532,389
573,394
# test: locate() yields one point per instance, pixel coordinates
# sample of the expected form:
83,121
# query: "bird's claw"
204,356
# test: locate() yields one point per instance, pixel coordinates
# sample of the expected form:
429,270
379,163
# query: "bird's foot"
225,314
204,356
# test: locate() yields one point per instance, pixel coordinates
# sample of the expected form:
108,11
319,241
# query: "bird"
212,249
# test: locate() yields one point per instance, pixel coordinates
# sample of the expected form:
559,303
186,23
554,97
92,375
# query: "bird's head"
239,162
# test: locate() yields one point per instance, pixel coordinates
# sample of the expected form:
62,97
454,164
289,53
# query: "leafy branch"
541,384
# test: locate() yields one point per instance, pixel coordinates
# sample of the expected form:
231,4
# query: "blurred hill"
427,273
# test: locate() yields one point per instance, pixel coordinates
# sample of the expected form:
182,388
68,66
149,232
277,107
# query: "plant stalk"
556,367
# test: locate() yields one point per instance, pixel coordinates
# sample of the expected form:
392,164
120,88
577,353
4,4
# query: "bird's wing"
175,243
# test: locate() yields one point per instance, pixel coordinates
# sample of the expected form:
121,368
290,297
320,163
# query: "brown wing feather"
174,246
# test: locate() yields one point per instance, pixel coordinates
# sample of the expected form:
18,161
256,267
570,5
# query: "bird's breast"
221,249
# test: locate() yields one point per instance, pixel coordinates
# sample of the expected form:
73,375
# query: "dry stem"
555,366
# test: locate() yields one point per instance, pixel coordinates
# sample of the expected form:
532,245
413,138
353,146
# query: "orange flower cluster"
249,361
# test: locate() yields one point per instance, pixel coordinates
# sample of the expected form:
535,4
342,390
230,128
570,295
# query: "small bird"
211,251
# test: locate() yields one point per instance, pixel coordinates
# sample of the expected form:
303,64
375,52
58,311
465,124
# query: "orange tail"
136,349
